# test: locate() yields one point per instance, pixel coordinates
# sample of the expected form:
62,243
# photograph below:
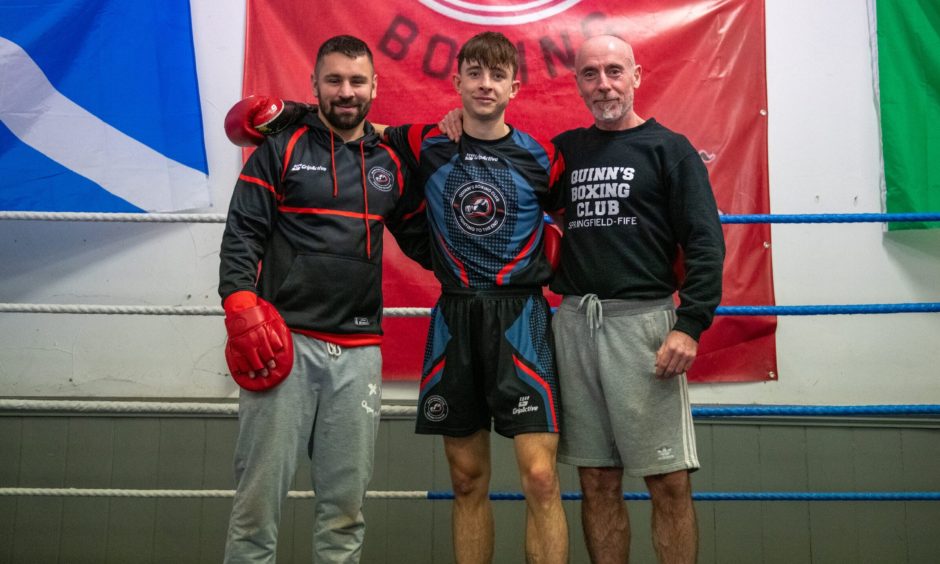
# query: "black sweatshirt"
635,202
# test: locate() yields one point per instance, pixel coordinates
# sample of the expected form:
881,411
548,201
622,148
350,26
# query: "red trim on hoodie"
342,339
325,211
261,183
290,148
401,179
421,207
414,141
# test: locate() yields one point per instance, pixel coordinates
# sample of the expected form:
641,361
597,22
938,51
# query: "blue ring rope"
733,496
842,309
848,309
830,218
814,410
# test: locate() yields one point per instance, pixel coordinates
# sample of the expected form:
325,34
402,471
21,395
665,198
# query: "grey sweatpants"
327,408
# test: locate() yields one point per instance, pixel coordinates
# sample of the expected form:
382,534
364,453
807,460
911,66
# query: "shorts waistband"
618,307
504,292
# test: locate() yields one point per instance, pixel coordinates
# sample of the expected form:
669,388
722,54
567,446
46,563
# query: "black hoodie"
305,226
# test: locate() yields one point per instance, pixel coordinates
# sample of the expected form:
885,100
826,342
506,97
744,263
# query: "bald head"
607,76
604,43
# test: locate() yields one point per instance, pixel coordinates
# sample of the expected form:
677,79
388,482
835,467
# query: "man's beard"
346,122
613,112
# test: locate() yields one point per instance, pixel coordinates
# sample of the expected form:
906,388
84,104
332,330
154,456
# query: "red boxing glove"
254,117
260,350
552,244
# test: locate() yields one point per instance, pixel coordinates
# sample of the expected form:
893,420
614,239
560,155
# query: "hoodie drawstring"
365,192
365,201
333,163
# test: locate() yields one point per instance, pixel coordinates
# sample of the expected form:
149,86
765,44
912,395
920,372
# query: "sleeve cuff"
240,300
689,327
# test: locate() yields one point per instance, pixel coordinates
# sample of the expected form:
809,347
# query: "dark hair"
348,45
490,49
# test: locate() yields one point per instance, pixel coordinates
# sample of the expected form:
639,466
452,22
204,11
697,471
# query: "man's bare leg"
675,531
604,516
469,459
546,524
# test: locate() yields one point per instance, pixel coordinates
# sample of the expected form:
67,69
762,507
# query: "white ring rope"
105,492
116,217
164,310
189,408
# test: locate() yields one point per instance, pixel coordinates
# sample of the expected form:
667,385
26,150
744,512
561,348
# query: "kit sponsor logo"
476,157
524,407
303,166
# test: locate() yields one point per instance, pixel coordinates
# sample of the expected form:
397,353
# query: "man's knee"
600,484
674,487
469,476
540,481
469,481
469,460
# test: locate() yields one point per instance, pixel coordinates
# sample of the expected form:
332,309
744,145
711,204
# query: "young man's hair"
348,45
490,49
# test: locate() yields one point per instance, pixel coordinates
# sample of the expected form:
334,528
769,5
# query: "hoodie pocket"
332,293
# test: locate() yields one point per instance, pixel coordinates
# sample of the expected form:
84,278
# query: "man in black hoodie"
300,280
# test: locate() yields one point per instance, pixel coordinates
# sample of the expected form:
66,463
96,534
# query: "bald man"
636,200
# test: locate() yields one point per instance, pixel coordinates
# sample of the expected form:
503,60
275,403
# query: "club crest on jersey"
479,208
380,179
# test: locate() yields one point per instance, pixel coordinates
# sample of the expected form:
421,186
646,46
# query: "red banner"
703,75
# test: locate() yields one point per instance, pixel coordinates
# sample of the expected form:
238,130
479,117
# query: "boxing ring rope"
220,218
230,408
496,496
842,309
698,412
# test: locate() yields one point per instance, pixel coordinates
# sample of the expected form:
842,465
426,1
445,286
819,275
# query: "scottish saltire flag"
905,40
99,107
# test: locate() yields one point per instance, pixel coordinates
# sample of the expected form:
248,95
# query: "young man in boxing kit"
622,346
489,357
489,361
300,279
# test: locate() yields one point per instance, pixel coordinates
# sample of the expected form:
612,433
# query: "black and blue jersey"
489,351
483,201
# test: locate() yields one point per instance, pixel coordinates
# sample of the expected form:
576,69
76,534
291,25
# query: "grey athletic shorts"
616,412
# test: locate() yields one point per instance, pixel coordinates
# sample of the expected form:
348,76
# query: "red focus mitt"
252,118
552,244
260,350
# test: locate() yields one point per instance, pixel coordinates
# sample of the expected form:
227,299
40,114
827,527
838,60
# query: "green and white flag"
905,43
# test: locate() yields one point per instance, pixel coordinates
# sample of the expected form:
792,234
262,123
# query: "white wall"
824,158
